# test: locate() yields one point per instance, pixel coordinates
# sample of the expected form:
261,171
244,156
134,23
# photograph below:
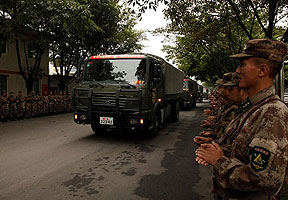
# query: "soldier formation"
246,136
34,105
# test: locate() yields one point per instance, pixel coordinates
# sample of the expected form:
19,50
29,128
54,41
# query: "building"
10,78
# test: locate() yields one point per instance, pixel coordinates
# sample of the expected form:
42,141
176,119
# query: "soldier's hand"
201,140
201,161
206,133
211,118
206,123
207,111
210,152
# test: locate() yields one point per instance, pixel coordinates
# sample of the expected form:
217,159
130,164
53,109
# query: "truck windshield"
130,71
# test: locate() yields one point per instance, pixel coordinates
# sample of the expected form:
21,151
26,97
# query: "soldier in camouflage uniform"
12,106
28,102
34,104
20,103
235,97
39,104
60,102
51,102
55,102
256,165
45,100
4,106
226,109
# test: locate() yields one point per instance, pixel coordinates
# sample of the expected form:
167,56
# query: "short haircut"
274,67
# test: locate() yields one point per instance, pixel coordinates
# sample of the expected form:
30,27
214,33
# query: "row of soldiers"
246,136
33,105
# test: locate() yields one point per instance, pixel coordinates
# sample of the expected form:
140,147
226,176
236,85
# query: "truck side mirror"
156,71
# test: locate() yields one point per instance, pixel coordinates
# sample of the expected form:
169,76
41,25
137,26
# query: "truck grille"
113,102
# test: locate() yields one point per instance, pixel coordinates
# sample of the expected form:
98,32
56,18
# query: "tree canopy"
207,32
70,29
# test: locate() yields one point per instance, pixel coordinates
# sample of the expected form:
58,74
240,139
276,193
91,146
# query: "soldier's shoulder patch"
259,158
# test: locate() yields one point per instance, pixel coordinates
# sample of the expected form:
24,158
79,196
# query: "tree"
34,24
207,32
114,34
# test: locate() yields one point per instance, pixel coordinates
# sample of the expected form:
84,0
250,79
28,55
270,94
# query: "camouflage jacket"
226,116
256,166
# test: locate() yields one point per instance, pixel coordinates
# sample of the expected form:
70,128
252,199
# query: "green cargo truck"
137,92
189,96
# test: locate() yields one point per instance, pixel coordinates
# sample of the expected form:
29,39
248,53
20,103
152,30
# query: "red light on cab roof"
186,79
116,56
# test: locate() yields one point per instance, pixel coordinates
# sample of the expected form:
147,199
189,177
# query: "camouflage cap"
230,79
264,48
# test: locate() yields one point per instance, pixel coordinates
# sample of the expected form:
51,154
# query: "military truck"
136,92
189,96
200,94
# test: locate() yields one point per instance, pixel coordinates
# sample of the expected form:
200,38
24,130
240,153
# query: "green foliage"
206,32
69,28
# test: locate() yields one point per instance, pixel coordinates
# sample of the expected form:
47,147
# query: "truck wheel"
97,129
175,112
152,133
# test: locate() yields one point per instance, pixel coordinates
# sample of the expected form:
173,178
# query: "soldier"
51,102
20,103
60,102
12,106
256,165
39,104
4,106
28,101
69,99
55,102
45,100
34,101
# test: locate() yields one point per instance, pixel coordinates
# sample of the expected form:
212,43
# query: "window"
3,82
36,86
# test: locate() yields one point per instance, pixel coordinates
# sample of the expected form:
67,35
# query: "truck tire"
153,132
97,129
175,112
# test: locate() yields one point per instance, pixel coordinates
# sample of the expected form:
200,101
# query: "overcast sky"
151,20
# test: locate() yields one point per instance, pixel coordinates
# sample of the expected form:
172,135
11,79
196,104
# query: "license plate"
106,120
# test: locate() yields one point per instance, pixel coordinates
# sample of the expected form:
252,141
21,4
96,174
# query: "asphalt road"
54,158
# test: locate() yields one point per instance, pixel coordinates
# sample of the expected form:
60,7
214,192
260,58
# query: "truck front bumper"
121,122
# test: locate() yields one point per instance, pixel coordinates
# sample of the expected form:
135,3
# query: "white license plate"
106,120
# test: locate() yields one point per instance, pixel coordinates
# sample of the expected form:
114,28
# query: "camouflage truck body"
189,96
137,92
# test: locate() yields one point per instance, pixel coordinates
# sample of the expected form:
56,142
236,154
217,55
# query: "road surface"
54,158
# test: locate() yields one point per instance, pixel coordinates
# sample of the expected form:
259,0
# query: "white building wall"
9,67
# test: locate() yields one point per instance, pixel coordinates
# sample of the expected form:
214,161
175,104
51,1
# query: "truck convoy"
189,97
137,92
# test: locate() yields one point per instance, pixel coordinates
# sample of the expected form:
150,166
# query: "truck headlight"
75,116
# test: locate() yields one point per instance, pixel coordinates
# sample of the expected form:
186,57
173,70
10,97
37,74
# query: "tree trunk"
29,85
62,83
